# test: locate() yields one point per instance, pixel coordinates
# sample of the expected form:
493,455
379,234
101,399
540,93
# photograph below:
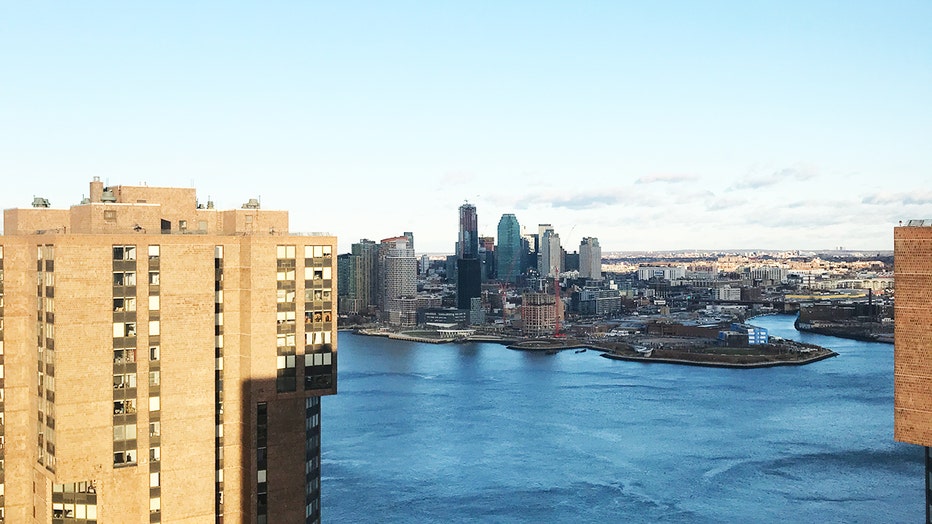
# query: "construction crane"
556,302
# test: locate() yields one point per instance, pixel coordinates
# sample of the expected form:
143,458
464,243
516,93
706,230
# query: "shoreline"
843,333
551,347
710,364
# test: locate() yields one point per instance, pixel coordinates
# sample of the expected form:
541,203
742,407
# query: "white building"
664,272
590,258
728,293
550,261
398,272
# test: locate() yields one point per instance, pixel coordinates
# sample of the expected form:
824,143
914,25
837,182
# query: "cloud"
457,178
721,203
576,200
915,198
774,178
667,178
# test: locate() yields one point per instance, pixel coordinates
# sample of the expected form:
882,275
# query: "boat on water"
583,350
643,351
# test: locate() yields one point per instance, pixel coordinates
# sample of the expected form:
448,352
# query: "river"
424,433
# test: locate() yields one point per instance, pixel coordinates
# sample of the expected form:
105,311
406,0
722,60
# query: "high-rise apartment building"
397,280
509,251
539,314
163,361
912,362
550,262
590,258
359,270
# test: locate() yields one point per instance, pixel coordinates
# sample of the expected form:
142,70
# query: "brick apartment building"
162,361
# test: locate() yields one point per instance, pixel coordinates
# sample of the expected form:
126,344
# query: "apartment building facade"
162,361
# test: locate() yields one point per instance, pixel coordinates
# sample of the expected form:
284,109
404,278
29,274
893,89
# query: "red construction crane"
556,303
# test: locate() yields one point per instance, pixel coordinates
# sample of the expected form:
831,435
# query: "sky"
652,125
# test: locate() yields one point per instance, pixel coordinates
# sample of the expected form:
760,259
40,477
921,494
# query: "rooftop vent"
252,204
40,202
108,195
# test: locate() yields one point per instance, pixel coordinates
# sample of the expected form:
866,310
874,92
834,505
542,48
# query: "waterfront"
479,433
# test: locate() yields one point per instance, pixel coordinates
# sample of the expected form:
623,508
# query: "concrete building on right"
912,367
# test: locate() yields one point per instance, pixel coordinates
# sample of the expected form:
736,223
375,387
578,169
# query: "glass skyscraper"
509,251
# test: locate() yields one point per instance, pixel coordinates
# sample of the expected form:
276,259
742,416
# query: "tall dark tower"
468,266
468,244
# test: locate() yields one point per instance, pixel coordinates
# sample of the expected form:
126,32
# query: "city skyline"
652,127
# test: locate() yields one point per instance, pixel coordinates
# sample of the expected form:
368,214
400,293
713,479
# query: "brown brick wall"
913,337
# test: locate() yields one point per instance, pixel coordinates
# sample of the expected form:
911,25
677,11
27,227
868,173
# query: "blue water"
479,433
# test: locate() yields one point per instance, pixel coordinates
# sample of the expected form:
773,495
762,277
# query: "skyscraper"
468,265
590,258
550,262
509,252
468,241
360,269
912,366
159,371
397,280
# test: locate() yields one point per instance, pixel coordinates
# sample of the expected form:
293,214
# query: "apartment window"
155,428
262,430
123,381
154,327
120,278
124,432
153,278
153,378
109,215
154,353
124,329
124,252
154,303
120,304
285,251
154,480
153,252
317,251
155,404
121,356
155,454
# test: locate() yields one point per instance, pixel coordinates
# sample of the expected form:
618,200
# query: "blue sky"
651,125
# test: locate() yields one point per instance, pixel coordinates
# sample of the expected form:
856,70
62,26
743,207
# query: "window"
154,480
119,304
153,278
109,215
124,252
153,378
155,428
155,404
154,327
153,303
154,353
155,454
127,380
153,252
